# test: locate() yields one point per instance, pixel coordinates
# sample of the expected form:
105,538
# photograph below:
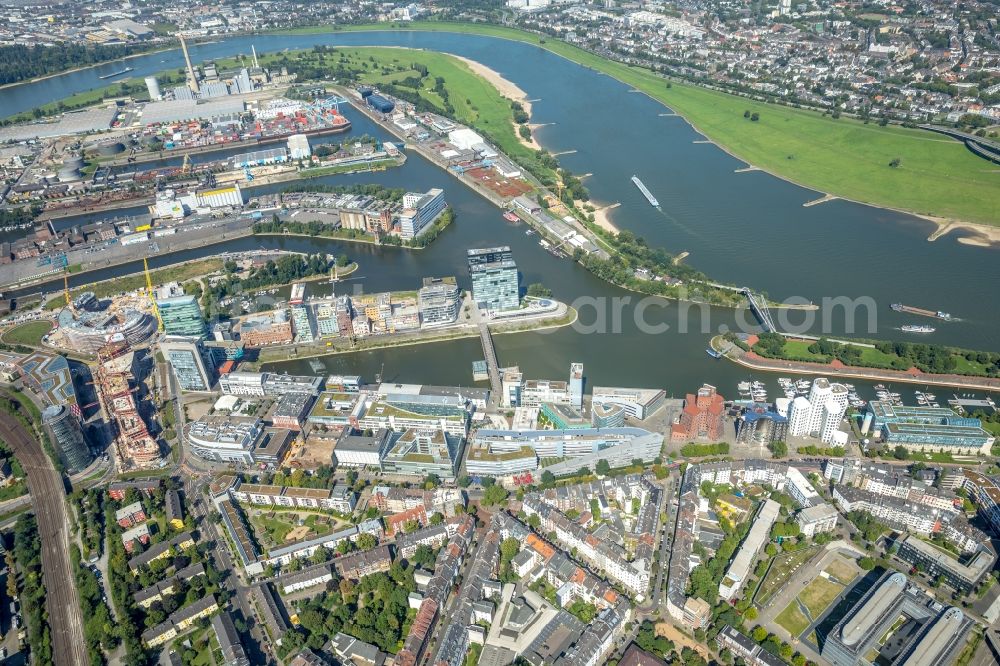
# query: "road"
49,498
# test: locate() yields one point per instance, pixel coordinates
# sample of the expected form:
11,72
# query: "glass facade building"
494,278
67,436
181,315
187,360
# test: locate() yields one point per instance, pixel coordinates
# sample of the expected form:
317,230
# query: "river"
747,228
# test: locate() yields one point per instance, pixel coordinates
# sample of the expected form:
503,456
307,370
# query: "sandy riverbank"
980,235
507,88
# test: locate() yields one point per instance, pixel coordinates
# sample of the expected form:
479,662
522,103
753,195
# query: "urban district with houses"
167,499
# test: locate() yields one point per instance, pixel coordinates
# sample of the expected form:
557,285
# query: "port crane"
152,298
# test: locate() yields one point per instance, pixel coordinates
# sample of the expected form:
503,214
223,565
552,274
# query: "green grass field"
818,595
176,273
841,570
843,157
29,333
792,619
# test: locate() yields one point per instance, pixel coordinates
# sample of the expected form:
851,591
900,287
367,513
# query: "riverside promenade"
749,359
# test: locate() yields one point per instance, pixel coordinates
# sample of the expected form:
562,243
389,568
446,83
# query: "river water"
747,228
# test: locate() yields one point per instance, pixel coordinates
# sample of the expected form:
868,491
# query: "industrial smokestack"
192,80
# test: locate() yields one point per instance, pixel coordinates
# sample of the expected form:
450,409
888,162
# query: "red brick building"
702,417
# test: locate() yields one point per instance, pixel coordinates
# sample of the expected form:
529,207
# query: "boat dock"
822,199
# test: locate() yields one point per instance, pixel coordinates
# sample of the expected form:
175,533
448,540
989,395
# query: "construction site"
117,387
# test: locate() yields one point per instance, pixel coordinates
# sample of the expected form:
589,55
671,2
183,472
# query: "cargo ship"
645,192
118,73
909,309
913,328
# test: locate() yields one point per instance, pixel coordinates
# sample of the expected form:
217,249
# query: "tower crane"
149,292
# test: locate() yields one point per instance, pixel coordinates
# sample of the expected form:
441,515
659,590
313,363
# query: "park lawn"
276,529
799,349
967,367
29,333
176,273
844,157
476,101
874,357
841,570
818,595
793,620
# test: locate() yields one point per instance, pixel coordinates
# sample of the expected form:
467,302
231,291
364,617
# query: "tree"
900,453
494,495
539,290
548,477
750,613
367,541
759,634
603,467
437,518
509,547
779,449
866,563
432,481
754,117
464,481
895,162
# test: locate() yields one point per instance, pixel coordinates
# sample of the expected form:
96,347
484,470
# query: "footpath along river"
747,228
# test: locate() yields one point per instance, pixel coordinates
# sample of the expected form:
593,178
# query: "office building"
816,519
934,632
578,447
961,573
419,212
179,312
638,403
422,452
494,279
826,400
928,429
298,147
799,415
67,437
359,450
302,326
187,361
702,417
759,427
439,302
576,385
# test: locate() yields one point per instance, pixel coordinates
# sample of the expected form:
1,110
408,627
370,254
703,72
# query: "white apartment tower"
799,416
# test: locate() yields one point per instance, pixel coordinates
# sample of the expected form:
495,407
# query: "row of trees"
936,359
28,557
19,62
99,629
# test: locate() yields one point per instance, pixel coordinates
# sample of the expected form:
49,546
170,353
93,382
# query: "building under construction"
116,386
